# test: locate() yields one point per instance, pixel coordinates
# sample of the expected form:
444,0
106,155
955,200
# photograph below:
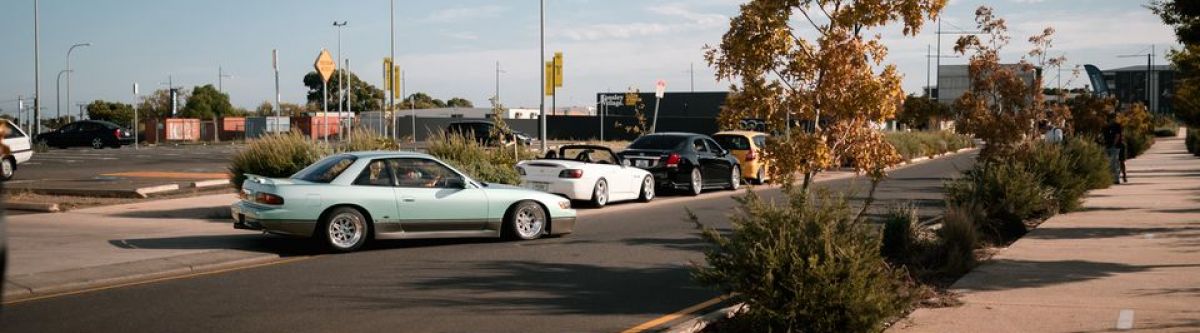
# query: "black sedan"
87,133
685,161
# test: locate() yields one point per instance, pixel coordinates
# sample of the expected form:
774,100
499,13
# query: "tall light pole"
57,90
69,68
392,95
498,71
541,69
135,116
275,67
37,73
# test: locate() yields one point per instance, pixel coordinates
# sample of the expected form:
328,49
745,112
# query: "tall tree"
1184,16
363,96
458,102
158,104
918,111
421,100
835,84
206,102
116,112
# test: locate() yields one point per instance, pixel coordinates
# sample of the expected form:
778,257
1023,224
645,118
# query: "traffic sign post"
659,89
325,67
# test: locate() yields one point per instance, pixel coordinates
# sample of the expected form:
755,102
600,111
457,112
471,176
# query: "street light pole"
69,68
392,95
37,73
57,90
341,95
541,69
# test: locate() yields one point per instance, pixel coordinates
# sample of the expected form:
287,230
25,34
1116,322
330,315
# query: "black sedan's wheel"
647,189
345,229
97,143
697,182
600,194
735,178
525,221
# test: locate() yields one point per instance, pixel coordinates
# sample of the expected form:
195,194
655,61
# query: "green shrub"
484,164
959,238
276,156
912,145
1192,141
1166,132
40,147
364,140
1165,126
900,233
803,266
1009,194
1137,144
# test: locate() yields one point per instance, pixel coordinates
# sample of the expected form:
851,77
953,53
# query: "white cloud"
462,35
685,20
465,13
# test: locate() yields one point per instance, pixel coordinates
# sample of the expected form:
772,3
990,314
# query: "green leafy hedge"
276,156
912,145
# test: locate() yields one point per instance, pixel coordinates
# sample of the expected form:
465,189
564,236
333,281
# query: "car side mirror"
456,183
625,163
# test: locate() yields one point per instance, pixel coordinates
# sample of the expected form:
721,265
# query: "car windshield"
733,142
658,142
324,171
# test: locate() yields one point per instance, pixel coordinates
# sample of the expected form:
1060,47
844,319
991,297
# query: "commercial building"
955,80
1129,85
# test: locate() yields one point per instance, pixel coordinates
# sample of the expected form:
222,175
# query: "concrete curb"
36,285
145,192
138,193
210,183
33,207
699,323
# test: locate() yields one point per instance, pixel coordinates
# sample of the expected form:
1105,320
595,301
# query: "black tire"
647,192
334,233
735,178
600,193
762,176
8,169
697,182
515,229
98,143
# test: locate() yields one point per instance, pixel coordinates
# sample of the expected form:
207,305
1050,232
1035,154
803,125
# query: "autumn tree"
1001,107
1184,17
815,63
919,110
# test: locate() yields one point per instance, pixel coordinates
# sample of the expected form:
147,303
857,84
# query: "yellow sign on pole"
549,78
387,74
397,84
325,65
558,69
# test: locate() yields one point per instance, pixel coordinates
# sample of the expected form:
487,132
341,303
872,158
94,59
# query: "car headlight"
564,204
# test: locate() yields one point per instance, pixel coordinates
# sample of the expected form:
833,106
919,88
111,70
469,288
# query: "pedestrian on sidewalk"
1051,133
1114,140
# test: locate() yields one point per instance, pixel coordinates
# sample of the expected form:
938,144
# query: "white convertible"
586,172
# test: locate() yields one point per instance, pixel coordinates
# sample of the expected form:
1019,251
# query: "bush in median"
276,156
484,164
912,145
803,266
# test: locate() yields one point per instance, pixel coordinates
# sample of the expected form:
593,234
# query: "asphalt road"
625,265
88,163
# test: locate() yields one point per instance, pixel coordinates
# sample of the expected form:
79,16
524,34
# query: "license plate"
538,186
641,163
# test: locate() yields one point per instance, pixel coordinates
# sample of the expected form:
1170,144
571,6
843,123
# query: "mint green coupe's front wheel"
525,221
344,229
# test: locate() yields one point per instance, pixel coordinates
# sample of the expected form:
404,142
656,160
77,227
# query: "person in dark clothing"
1114,143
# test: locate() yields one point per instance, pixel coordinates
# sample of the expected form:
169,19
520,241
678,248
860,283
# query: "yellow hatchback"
747,146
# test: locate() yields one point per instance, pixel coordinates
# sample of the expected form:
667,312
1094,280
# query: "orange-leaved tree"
814,72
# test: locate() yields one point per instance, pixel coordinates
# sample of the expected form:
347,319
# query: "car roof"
742,133
387,154
585,147
675,134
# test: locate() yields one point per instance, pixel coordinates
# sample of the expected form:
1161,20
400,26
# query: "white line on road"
1125,320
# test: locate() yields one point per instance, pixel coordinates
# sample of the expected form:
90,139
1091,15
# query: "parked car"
747,147
481,131
587,172
94,133
685,161
347,198
18,149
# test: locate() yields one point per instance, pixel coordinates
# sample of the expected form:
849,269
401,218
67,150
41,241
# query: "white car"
20,150
587,172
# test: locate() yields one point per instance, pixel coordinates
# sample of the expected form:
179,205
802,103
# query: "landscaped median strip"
33,206
35,286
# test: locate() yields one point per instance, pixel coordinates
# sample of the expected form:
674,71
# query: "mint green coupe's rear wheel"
344,229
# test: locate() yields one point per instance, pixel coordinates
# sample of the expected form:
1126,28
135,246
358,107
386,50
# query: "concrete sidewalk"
50,253
1130,260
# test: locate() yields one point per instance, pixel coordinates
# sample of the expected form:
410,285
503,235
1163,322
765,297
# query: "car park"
747,147
685,161
587,172
18,150
481,132
87,133
346,199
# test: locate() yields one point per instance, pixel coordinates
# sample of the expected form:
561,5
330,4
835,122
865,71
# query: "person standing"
1114,139
1051,133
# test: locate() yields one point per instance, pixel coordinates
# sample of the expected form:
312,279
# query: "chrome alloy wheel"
529,220
346,230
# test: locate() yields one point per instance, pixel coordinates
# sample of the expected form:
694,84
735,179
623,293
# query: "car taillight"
571,173
521,171
268,199
673,160
117,133
751,155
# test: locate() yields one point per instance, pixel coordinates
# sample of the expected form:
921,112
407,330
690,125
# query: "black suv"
94,133
685,161
481,131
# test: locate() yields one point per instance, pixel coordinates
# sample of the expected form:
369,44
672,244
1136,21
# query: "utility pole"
37,73
57,99
349,108
541,64
275,67
498,71
69,69
392,95
341,95
692,72
135,116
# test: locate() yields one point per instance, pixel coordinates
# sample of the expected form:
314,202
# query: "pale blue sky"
450,48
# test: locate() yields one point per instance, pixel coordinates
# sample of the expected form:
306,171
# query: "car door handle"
408,199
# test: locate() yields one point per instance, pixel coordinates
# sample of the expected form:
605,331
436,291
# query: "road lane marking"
1125,320
675,315
157,280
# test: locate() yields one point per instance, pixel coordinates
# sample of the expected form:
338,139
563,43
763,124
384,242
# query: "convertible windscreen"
324,171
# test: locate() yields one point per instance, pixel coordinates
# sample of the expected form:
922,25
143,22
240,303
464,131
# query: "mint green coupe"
346,199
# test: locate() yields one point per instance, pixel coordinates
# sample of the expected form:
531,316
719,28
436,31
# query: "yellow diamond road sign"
325,65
